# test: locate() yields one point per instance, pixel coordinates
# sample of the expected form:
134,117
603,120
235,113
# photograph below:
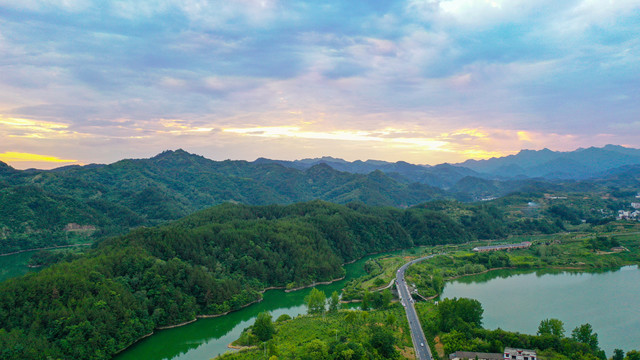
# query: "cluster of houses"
630,215
509,354
522,245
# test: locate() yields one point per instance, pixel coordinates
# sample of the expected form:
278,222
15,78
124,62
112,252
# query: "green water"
518,301
14,265
207,338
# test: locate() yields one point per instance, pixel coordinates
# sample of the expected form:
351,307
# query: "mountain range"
579,164
551,165
36,206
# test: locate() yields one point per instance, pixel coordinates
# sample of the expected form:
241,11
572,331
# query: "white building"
469,355
522,245
519,354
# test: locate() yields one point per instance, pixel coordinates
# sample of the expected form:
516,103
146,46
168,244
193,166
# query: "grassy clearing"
348,334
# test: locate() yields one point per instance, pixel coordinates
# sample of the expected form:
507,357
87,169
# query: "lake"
15,265
518,301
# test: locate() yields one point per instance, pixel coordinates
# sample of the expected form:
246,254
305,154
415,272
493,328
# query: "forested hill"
546,164
441,176
36,206
79,204
214,261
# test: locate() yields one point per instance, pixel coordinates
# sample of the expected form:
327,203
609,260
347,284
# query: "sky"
423,81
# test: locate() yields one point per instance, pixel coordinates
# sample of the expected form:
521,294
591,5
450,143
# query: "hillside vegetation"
211,262
45,208
36,206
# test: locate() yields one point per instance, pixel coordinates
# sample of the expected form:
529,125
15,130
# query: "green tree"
618,354
351,317
633,355
386,298
271,348
584,334
334,302
384,342
552,327
315,301
437,282
454,341
316,350
263,327
366,301
390,320
459,314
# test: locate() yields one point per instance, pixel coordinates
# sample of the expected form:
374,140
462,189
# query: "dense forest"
213,261
81,204
37,207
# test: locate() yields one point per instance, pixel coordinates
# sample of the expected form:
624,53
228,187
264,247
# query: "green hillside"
211,262
37,205
38,208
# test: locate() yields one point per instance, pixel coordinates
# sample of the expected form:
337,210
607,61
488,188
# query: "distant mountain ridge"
578,164
442,175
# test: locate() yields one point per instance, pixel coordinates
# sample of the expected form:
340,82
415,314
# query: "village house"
509,354
522,245
519,354
628,215
469,355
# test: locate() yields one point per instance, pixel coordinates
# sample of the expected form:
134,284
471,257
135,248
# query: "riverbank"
192,323
315,284
518,301
198,317
45,248
583,268
563,253
240,348
228,312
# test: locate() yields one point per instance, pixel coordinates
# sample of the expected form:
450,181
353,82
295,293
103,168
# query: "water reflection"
517,300
207,338
505,273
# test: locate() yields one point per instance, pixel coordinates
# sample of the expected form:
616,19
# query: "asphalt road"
417,335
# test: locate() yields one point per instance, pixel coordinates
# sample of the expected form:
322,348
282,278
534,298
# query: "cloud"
329,75
28,128
10,156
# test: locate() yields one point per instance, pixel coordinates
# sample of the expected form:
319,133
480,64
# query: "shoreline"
198,317
210,316
45,248
176,325
206,316
580,268
482,272
240,347
314,284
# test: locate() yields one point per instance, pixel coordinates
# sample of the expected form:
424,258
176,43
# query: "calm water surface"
207,338
517,301
15,265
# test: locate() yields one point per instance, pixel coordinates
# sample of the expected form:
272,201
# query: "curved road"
417,335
